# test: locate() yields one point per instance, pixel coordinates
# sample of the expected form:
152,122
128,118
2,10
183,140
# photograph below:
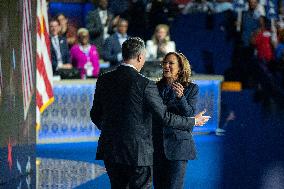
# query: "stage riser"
68,119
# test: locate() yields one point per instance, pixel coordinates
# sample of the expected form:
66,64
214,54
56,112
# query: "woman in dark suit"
173,147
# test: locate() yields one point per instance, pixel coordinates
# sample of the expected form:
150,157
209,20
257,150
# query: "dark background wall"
17,134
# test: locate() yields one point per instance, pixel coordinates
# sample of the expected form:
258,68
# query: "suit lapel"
98,18
60,41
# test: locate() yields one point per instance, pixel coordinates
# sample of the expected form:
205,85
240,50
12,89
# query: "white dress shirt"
103,17
56,45
129,65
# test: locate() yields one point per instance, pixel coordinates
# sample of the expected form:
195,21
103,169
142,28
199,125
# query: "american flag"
44,93
26,57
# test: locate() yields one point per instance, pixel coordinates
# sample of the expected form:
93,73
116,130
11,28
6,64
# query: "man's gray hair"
132,47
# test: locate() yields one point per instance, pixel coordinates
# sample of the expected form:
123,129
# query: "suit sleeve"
53,58
67,57
187,104
155,103
92,24
96,110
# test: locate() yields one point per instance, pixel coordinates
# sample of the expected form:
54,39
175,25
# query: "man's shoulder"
143,77
147,81
107,74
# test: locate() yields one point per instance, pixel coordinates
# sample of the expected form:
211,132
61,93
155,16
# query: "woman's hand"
162,48
178,88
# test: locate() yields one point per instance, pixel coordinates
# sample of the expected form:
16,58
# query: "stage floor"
73,165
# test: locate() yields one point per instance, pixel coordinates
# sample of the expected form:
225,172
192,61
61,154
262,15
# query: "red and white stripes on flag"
27,65
44,93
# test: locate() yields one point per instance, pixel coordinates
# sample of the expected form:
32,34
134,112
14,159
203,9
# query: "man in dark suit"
123,106
60,56
100,24
112,46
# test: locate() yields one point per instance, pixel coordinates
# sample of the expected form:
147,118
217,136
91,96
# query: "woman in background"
262,40
68,29
173,147
84,56
160,44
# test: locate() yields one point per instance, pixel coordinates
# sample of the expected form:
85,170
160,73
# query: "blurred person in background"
280,20
157,13
118,7
279,50
223,5
112,47
68,30
136,16
100,23
174,147
60,56
85,56
160,44
262,41
198,6
249,25
278,67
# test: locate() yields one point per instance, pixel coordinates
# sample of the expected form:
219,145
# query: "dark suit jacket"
111,49
176,144
96,28
123,106
64,52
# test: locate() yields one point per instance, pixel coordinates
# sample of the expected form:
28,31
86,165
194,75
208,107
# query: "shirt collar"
84,49
129,65
102,9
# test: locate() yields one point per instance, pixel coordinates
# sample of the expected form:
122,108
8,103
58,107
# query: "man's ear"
139,57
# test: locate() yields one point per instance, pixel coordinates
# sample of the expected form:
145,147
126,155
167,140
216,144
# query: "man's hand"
200,119
115,21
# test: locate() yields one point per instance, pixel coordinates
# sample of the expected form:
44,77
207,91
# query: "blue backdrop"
68,119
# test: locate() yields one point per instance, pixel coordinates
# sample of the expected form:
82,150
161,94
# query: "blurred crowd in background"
255,27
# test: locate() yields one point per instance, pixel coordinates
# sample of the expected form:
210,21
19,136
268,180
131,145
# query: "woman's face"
84,39
161,34
170,67
62,20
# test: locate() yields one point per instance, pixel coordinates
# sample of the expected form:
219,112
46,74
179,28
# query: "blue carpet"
202,173
205,172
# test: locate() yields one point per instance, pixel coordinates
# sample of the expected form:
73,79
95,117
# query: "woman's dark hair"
184,74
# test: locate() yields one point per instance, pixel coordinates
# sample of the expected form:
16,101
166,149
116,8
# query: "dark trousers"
168,174
247,67
129,177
